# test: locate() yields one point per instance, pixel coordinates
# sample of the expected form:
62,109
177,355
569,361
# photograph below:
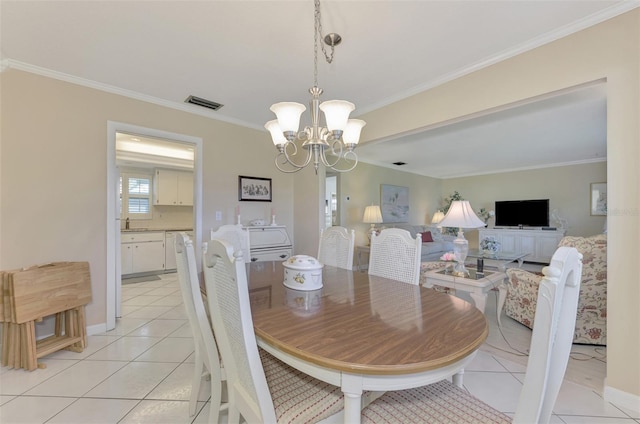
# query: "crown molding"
536,42
195,110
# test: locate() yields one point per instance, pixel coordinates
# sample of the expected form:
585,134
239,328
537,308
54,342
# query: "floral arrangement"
490,244
485,214
448,257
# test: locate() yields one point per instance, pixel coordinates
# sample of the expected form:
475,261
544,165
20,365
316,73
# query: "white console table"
540,245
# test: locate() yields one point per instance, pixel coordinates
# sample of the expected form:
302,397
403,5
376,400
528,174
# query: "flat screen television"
526,213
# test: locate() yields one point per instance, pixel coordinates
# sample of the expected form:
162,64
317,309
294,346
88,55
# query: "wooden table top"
363,324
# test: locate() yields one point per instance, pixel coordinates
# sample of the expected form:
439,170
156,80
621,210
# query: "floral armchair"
591,320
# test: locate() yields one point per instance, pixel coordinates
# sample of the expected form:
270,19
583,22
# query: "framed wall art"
598,198
394,203
254,189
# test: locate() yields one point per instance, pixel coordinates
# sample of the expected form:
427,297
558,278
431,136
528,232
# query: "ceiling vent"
399,163
199,101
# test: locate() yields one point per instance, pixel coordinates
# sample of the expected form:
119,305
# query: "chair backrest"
395,254
228,295
552,336
236,236
336,247
205,344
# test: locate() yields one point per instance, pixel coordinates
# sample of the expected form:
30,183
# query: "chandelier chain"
318,32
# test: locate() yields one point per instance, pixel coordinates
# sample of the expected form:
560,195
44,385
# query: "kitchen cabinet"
142,252
170,249
173,188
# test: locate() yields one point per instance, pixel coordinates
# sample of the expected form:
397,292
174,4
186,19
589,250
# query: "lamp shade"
276,133
372,215
461,215
288,114
351,133
336,113
437,217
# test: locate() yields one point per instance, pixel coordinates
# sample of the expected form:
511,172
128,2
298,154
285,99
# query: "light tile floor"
141,373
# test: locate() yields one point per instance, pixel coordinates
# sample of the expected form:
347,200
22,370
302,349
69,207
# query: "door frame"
114,280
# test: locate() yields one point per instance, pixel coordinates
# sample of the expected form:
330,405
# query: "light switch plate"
218,216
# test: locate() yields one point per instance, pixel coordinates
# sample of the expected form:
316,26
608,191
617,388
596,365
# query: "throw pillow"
426,237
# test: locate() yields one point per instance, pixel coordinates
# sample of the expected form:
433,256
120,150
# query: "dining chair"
336,247
260,387
207,361
395,254
235,235
551,343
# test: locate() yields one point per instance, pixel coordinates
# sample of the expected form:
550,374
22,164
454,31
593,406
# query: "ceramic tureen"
302,272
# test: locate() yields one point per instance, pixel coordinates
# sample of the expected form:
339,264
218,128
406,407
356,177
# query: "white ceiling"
248,55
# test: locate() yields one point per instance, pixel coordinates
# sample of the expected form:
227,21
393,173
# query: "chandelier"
338,137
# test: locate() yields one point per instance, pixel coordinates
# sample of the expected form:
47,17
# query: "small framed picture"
254,189
598,198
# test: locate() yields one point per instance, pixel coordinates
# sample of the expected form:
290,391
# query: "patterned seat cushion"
436,403
591,318
298,397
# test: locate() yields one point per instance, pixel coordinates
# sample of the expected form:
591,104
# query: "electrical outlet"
218,216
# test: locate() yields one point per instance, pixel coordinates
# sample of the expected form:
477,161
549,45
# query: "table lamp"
461,215
373,216
437,217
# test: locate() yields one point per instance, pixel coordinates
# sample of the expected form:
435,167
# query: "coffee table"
476,285
499,260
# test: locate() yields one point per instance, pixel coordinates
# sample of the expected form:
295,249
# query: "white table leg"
480,299
502,296
352,390
456,378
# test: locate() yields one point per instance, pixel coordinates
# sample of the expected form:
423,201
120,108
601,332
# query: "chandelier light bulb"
336,113
276,133
288,114
351,133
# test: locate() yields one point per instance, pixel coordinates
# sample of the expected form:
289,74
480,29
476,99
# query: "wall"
609,52
362,187
53,172
566,187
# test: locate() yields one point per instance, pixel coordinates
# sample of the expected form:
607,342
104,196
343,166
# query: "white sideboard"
540,245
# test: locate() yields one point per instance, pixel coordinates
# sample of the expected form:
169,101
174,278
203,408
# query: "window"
135,195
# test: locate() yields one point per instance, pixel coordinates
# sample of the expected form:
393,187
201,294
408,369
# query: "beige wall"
362,186
566,187
54,172
609,51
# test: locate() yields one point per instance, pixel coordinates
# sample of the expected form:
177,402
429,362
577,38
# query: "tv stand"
538,242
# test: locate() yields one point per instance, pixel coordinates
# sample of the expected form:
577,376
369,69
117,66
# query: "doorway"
114,280
331,216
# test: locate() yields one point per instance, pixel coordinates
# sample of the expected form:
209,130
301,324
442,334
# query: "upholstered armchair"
591,320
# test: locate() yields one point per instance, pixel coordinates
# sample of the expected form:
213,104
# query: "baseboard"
96,329
620,398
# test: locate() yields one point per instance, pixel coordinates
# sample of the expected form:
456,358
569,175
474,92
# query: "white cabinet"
173,188
142,252
170,251
539,245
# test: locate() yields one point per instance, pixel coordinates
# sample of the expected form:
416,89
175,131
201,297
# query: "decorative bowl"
302,272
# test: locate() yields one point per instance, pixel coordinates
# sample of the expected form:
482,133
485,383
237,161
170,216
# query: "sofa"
434,243
591,319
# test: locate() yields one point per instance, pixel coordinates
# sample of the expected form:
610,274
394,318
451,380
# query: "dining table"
364,333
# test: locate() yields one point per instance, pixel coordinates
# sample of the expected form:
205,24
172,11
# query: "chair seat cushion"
298,397
441,402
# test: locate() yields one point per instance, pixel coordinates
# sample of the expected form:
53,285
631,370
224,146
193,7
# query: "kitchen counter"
142,230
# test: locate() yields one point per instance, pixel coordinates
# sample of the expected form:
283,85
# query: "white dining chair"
261,388
396,255
336,247
207,361
551,343
235,235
